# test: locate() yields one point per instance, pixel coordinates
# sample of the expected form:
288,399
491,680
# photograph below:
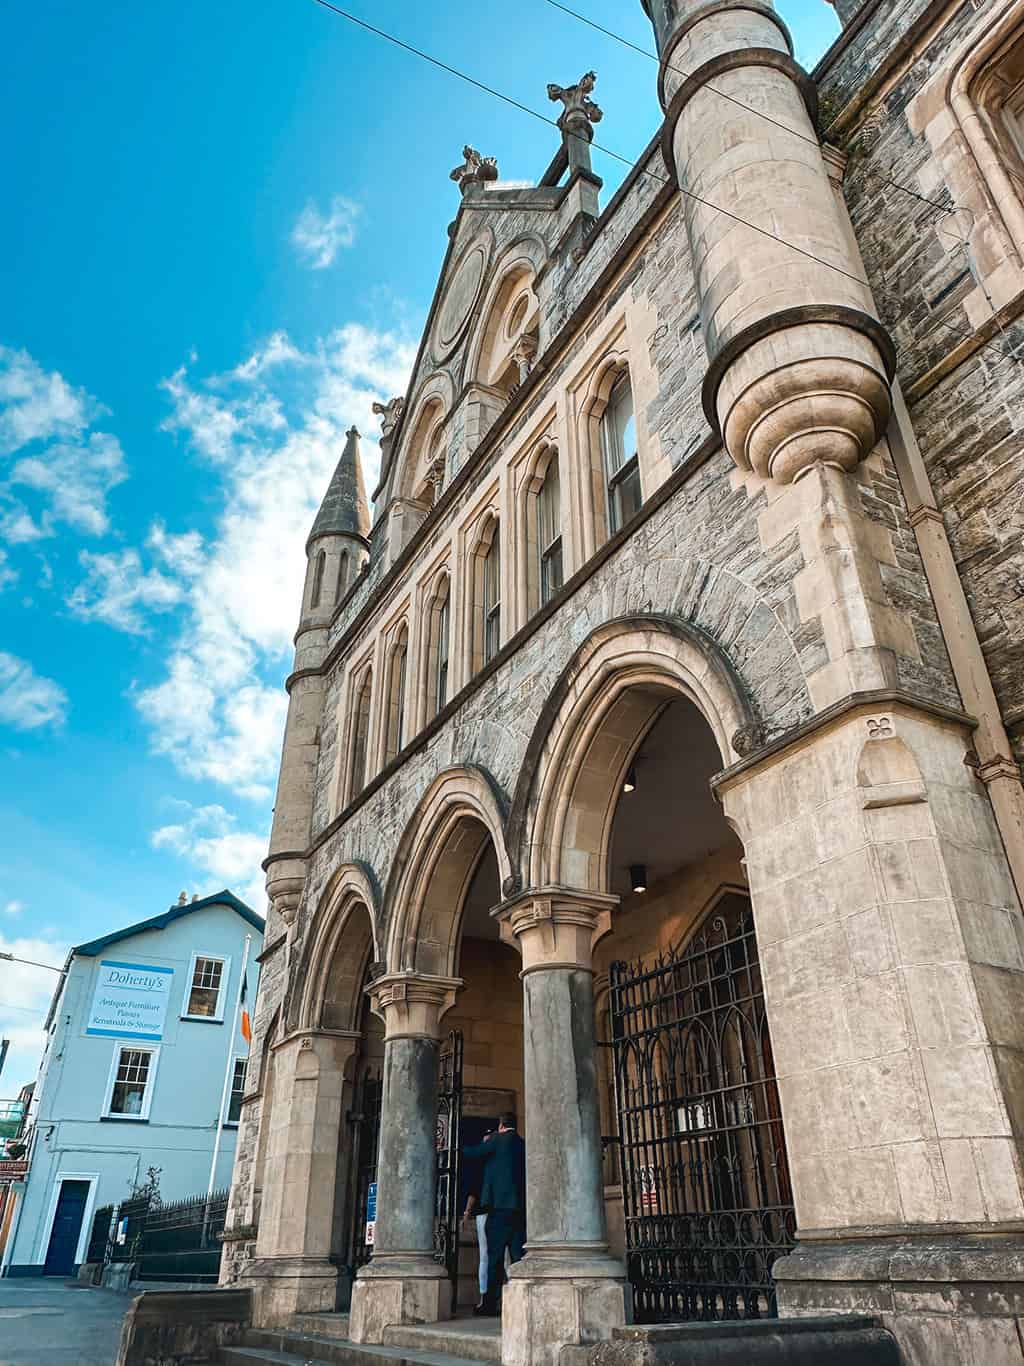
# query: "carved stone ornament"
748,738
580,110
389,414
523,354
880,727
475,169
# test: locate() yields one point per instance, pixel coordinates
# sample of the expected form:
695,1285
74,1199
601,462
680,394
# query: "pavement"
51,1322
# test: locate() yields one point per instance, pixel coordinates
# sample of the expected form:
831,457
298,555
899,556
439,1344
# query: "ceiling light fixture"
638,877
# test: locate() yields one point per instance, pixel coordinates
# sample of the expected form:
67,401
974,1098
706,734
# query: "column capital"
555,927
412,1004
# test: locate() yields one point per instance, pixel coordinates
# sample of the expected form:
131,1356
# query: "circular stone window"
517,316
460,300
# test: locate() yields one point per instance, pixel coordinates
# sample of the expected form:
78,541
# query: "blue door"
67,1226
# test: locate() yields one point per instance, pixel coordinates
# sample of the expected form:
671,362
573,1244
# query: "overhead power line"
628,161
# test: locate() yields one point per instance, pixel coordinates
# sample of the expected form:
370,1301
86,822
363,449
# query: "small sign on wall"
130,1001
371,1214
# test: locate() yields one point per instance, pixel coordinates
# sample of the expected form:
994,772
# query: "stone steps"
289,1347
468,1339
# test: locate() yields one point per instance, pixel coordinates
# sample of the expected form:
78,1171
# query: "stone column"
800,365
567,1290
892,949
402,1283
293,1272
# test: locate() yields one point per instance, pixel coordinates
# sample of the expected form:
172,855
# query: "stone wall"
925,273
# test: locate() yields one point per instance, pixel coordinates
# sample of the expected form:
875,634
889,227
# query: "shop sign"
13,1169
371,1213
130,1001
649,1189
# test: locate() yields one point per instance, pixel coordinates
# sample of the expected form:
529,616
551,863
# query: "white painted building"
143,1029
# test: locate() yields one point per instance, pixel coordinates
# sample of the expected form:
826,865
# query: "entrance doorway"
697,1188
707,1200
62,1252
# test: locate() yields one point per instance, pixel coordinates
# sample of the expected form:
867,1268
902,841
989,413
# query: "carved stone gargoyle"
389,414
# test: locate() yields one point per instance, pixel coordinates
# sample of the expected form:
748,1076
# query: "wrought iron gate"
449,1120
365,1120
706,1191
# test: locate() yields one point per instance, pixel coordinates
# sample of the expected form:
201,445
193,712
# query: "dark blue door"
67,1226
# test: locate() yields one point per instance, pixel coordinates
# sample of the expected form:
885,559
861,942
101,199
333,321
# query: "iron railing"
449,1153
706,1192
180,1241
99,1235
131,1215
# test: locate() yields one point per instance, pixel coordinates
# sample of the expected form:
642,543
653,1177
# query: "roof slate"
345,510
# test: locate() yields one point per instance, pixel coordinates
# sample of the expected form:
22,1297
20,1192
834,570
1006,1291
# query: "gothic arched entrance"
697,1195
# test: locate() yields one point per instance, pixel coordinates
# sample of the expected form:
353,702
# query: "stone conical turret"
336,550
345,510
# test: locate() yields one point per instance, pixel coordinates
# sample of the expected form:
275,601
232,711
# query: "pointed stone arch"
606,700
342,942
513,274
436,858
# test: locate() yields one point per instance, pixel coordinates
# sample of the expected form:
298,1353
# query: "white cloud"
36,405
216,714
68,468
7,574
181,554
18,528
14,907
118,591
319,237
208,837
77,479
27,699
25,995
278,349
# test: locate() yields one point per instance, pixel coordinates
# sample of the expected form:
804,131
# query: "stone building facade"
686,639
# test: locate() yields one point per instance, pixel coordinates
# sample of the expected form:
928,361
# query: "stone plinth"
853,1341
948,1299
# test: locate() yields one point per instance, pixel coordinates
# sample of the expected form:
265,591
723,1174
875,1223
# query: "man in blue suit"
503,1196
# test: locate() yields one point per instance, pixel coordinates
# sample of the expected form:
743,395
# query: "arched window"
396,696
360,735
318,579
549,532
619,453
441,666
435,659
492,597
339,591
483,598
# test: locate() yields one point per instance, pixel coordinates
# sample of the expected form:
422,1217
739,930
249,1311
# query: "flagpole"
228,1069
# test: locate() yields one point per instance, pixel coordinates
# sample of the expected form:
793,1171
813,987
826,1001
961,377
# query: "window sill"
230,1124
203,1019
124,1119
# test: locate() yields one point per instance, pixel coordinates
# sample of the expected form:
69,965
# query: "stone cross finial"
576,118
475,169
579,109
389,414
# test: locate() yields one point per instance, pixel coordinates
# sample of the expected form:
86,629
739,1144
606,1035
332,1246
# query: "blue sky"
223,228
